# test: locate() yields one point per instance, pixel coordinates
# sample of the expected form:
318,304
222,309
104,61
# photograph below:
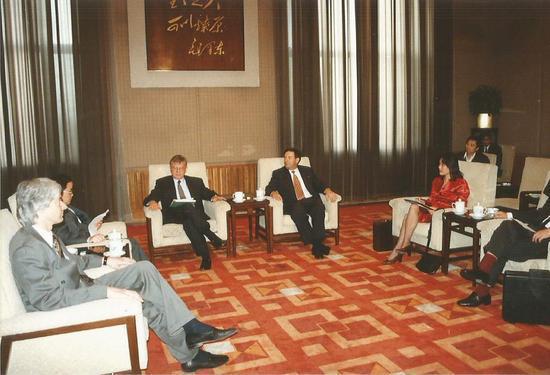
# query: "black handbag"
429,263
382,237
526,297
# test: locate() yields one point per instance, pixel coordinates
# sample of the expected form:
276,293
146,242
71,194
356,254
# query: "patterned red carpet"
345,314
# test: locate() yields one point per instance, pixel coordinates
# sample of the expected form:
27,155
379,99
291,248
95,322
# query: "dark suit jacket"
165,192
70,230
46,281
478,157
281,181
534,217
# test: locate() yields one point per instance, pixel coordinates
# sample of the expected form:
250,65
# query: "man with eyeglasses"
191,216
74,227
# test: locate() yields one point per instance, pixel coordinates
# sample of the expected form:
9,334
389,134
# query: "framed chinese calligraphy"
193,43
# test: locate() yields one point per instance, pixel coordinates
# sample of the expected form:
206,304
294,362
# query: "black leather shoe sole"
216,335
473,300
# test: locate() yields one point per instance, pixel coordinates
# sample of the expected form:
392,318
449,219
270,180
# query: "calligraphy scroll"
195,35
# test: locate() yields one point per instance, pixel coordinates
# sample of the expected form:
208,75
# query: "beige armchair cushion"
492,157
173,234
481,179
508,157
283,224
532,179
66,353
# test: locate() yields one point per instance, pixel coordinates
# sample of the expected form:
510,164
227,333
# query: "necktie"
297,186
180,190
57,247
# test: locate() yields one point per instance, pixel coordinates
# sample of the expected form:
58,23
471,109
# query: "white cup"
238,196
478,210
260,193
491,211
115,243
459,207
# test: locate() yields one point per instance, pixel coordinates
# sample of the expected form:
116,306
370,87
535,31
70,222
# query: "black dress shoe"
204,360
475,275
219,244
196,340
206,264
473,300
325,250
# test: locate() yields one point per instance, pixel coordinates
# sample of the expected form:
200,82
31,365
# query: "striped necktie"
297,186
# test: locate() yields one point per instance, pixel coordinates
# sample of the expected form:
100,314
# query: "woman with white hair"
48,277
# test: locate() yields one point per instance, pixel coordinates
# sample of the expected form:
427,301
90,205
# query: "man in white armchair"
525,235
299,188
48,277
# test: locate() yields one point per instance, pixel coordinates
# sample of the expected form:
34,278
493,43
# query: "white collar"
47,235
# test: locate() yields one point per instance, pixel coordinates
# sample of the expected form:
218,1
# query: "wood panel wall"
225,179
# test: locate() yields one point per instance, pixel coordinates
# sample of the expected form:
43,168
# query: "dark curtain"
367,172
54,113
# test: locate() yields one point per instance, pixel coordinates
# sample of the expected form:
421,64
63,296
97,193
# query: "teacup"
491,211
260,193
459,207
115,243
478,210
238,196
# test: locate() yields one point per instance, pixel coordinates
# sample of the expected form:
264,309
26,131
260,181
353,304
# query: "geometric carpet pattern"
347,313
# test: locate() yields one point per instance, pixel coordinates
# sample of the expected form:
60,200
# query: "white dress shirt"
47,235
184,187
307,194
469,159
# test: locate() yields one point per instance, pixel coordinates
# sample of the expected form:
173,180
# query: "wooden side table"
458,224
252,209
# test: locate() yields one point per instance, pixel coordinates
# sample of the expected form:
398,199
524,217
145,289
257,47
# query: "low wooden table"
252,209
458,224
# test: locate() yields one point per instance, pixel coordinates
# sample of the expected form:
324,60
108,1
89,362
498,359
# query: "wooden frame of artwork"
141,77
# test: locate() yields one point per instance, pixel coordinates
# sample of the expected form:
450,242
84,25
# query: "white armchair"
105,228
67,340
283,226
487,228
165,239
532,180
481,178
508,157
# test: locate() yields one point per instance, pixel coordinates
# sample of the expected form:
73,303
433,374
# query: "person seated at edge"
191,216
472,153
492,148
510,241
48,277
299,188
74,227
447,188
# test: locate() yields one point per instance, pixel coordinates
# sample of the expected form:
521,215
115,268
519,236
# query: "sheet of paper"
92,227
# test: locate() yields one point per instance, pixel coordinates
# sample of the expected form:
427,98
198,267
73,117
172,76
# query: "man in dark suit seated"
492,148
74,227
472,153
525,235
48,277
190,215
299,188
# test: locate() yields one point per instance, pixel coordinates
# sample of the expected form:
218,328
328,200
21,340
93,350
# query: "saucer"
477,217
239,201
113,254
459,214
259,199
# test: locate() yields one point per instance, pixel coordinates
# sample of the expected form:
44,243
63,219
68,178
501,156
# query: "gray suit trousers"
165,311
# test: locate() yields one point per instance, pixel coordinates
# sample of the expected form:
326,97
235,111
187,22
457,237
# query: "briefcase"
526,297
382,237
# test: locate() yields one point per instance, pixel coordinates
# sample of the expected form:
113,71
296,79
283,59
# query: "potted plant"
485,102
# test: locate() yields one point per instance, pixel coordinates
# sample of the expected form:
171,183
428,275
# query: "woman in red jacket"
447,188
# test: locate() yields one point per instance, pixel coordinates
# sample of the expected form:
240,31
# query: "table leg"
228,245
445,245
475,250
269,228
249,225
234,233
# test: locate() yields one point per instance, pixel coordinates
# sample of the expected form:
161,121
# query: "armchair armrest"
525,199
155,217
277,208
217,211
332,210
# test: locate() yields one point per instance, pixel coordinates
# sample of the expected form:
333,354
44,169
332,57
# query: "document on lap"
181,202
92,227
419,202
